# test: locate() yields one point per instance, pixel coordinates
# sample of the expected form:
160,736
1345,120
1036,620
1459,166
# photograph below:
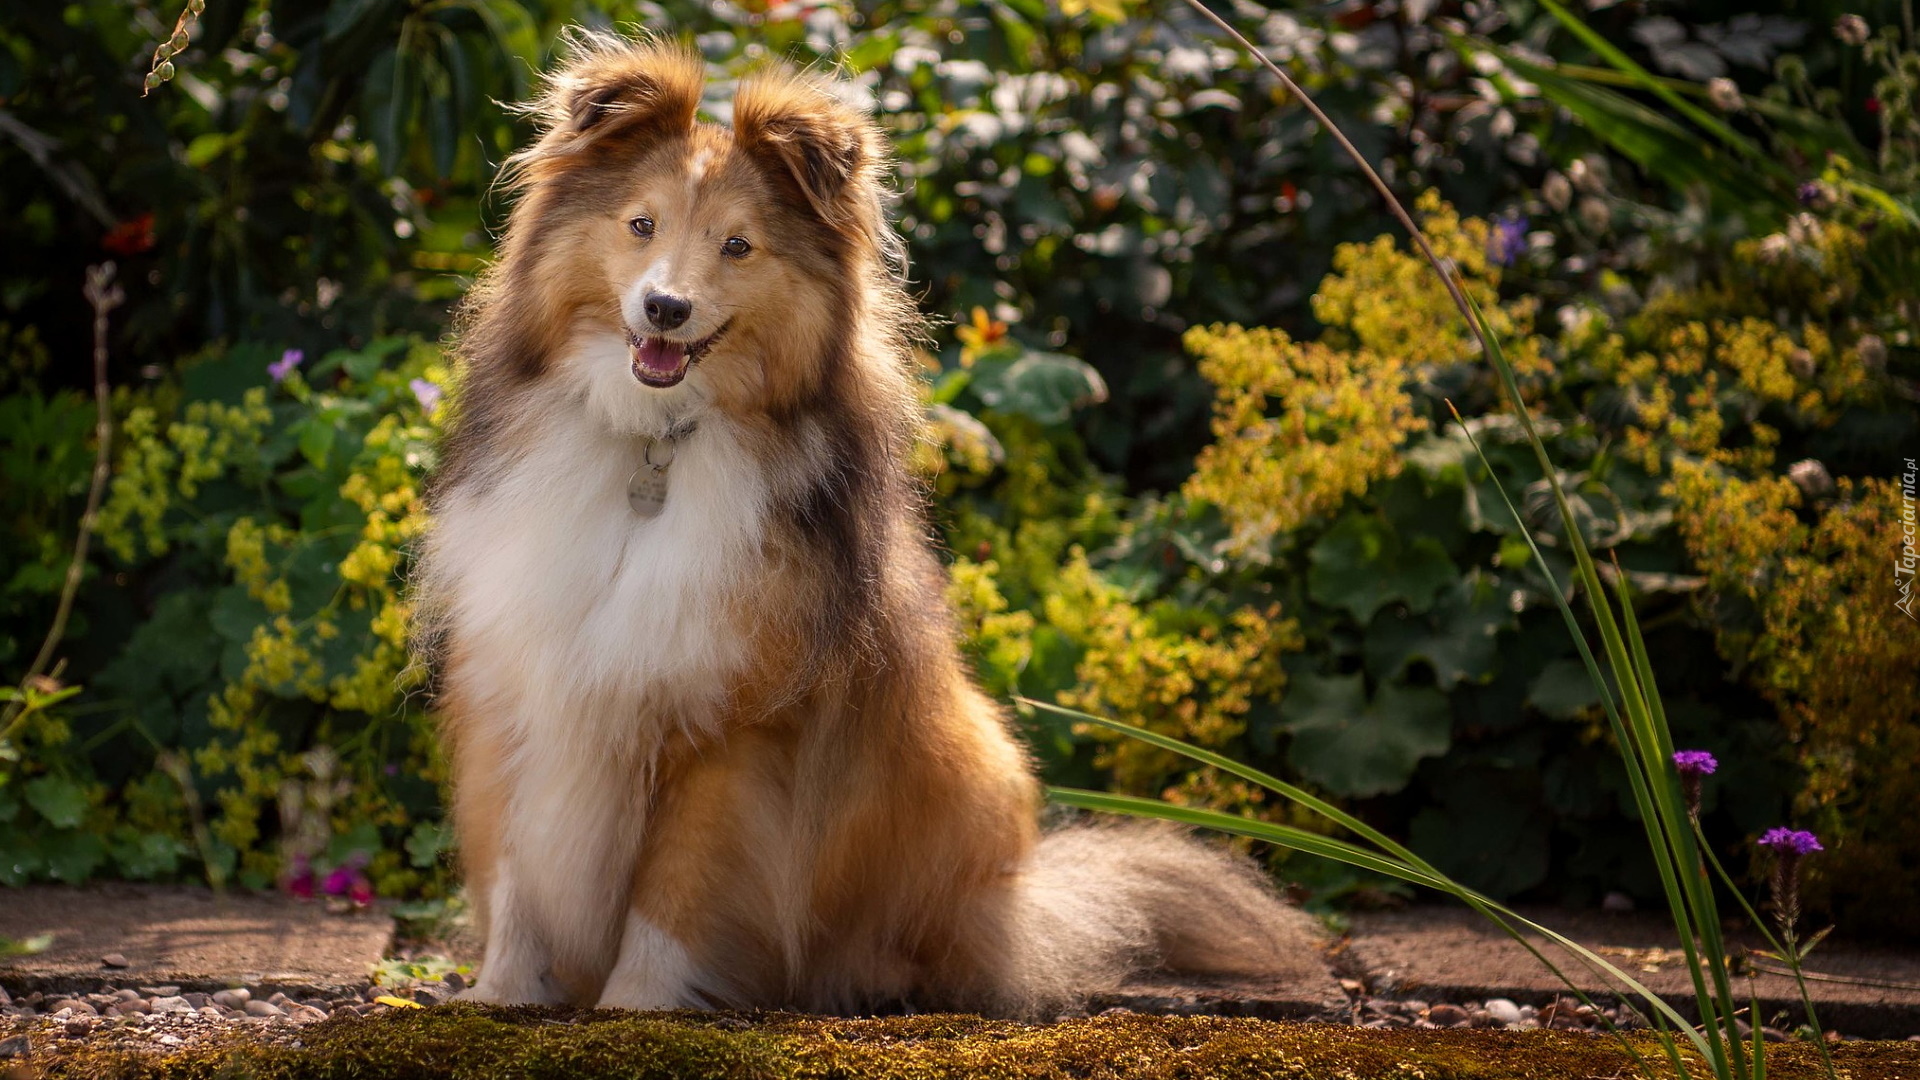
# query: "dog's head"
728,260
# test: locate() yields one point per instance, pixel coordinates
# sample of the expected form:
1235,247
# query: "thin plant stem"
104,295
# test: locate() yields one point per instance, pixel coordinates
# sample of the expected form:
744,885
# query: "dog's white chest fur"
571,606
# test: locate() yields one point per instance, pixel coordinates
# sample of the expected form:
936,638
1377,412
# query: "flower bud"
1811,477
1850,29
1873,352
1594,214
1556,191
1724,93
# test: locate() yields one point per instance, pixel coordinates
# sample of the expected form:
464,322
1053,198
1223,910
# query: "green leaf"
1354,747
1457,640
1044,386
74,857
144,856
1361,565
317,435
425,843
20,860
38,943
1488,835
1563,690
235,615
59,800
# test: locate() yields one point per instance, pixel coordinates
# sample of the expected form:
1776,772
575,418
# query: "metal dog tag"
647,487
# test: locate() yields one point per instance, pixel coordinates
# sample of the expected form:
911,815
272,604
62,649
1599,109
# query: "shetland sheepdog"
711,740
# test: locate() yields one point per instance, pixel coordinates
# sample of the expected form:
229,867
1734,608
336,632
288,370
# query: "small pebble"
1446,1015
160,991
198,1001
277,999
305,1014
1503,1011
14,1047
115,960
264,1008
127,995
174,1004
455,981
74,1004
236,998
78,1026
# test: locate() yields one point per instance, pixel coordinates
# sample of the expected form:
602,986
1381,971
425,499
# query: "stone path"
1451,954
1421,967
128,935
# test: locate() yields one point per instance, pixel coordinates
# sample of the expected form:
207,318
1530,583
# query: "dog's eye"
736,247
641,227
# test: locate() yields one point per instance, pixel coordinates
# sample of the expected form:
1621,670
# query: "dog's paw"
502,992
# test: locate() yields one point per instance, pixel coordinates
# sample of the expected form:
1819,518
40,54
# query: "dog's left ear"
797,127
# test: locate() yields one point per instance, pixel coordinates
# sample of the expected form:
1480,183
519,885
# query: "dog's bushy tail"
1101,902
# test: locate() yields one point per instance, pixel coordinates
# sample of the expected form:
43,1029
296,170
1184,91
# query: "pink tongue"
660,355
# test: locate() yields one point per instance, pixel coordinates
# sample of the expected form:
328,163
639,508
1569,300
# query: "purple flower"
1797,841
1694,762
1788,847
1693,765
427,394
284,366
1509,239
340,881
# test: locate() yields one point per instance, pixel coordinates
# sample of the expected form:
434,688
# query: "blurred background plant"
1185,426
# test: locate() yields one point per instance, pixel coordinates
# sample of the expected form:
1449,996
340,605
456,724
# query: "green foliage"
268,520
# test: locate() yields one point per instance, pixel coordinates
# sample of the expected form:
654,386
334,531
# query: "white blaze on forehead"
697,169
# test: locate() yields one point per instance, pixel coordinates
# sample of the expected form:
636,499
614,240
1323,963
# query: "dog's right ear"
613,86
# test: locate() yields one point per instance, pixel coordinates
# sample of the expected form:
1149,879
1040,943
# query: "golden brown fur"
731,756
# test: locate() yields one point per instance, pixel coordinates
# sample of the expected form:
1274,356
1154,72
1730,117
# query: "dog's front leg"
518,968
555,869
654,970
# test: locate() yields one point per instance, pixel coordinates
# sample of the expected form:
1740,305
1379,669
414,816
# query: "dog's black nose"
667,312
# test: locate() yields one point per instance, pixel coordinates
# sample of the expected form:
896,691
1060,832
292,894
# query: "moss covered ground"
464,1042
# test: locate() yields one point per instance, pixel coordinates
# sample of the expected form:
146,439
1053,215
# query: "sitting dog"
712,743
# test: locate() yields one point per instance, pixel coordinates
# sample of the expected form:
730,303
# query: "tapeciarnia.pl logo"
1903,567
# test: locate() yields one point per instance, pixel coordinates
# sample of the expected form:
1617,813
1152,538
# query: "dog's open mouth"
662,363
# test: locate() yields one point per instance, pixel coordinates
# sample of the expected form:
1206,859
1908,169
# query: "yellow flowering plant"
262,511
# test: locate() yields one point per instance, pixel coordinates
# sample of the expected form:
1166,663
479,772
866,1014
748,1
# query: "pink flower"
299,881
361,891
